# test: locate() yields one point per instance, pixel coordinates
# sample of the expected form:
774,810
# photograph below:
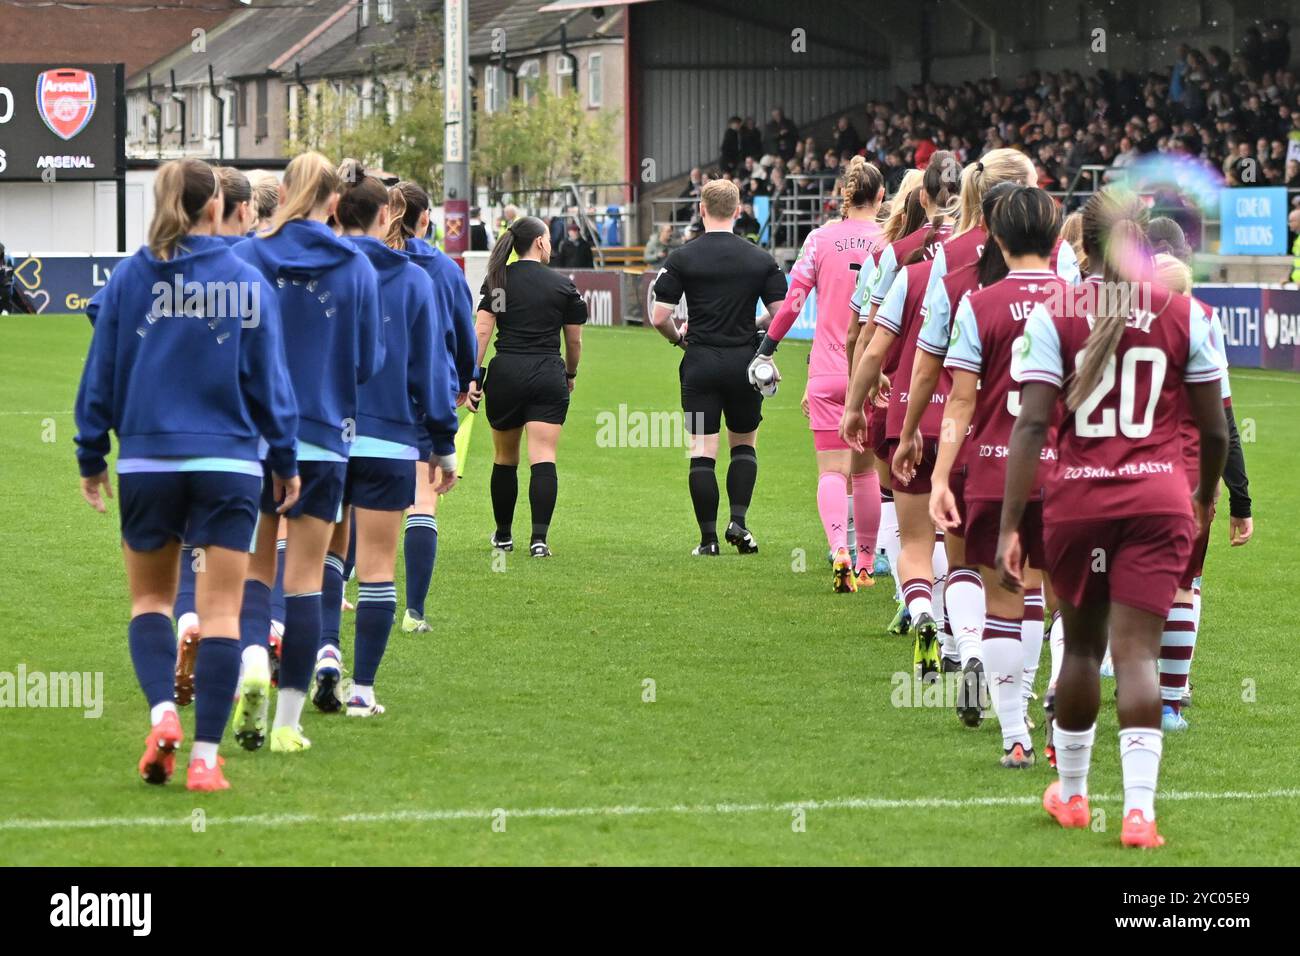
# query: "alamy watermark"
76,690
207,300
632,428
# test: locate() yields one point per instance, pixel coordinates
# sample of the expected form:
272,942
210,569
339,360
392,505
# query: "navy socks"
153,654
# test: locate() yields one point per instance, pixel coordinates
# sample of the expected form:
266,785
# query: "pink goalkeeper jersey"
830,261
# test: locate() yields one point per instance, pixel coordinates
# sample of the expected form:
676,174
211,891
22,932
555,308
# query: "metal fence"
804,204
588,204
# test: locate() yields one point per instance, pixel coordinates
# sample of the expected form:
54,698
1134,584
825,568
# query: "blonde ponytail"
309,181
995,166
894,224
182,188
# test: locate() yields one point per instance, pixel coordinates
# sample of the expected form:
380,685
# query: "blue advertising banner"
1261,324
1237,308
57,284
1253,221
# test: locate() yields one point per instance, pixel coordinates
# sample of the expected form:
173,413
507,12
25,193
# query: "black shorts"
205,509
380,484
715,383
525,388
322,491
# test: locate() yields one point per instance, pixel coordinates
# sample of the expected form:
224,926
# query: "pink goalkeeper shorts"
825,408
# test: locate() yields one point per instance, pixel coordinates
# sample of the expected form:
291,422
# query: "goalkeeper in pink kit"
830,262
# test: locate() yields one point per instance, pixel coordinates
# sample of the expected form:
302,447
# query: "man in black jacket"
730,151
575,251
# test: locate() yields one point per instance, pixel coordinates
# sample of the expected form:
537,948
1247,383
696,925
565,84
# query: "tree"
403,136
552,138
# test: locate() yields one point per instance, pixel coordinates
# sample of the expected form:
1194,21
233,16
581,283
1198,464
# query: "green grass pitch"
771,737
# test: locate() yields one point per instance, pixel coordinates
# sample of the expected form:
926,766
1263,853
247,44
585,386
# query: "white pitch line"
1294,380
704,809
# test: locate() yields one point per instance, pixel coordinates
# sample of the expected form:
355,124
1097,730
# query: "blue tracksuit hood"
186,362
302,247
328,296
406,398
387,262
455,308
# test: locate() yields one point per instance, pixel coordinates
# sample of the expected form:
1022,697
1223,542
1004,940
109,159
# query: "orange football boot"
159,758
1072,813
1139,831
199,776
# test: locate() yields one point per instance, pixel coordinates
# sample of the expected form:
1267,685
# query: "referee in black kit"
528,384
722,277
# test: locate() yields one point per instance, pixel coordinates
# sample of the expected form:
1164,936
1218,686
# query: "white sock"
365,691
255,657
1073,757
918,595
157,710
963,596
186,621
288,707
1057,646
948,643
277,628
1003,662
1139,756
939,563
1031,638
888,539
205,751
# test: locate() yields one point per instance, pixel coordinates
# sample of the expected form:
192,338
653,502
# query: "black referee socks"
742,473
543,486
704,496
504,487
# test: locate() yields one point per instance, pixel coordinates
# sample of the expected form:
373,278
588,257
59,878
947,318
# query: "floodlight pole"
455,169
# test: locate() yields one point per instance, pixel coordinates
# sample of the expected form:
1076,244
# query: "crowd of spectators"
1239,114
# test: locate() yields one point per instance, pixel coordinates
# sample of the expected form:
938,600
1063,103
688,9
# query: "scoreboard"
61,122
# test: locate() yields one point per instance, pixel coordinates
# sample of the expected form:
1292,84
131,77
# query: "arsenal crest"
65,100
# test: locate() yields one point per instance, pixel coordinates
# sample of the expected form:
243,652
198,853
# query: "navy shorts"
205,509
322,491
380,484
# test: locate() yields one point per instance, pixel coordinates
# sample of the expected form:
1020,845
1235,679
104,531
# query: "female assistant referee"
528,384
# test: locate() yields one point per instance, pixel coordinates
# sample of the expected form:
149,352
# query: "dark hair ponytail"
942,172
992,267
1114,237
362,197
517,237
1026,219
